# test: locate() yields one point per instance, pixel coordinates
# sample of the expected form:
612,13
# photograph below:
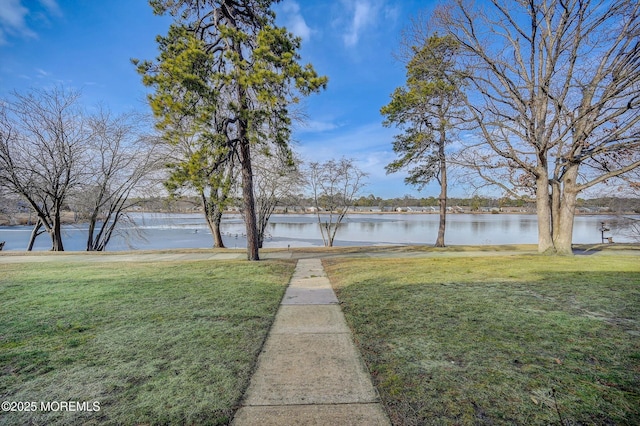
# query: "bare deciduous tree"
120,157
276,178
557,98
334,186
43,138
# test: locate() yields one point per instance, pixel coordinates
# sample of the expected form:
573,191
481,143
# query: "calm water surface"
163,231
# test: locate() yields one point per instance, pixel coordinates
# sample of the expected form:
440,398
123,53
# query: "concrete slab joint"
310,372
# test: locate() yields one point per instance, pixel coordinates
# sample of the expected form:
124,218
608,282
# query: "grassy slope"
498,340
152,342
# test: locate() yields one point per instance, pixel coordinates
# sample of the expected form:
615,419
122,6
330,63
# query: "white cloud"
51,6
294,21
13,18
364,15
310,126
361,19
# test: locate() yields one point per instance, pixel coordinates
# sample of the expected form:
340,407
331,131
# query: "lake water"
166,231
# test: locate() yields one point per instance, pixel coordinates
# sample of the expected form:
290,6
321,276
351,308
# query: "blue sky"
87,45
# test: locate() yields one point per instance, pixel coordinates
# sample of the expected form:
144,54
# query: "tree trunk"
262,219
322,230
331,235
262,225
245,160
265,210
34,233
214,226
213,216
106,231
443,192
249,202
92,228
56,233
563,238
543,210
555,208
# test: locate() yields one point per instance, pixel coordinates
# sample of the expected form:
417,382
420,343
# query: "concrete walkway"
310,372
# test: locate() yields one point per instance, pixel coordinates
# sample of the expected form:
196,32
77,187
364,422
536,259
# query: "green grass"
153,343
524,339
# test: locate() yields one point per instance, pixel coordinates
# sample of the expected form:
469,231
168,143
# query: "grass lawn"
152,343
525,339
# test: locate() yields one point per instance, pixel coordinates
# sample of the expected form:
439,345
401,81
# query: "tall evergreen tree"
427,109
230,69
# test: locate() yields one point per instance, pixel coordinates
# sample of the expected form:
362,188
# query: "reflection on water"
477,227
162,231
526,225
368,227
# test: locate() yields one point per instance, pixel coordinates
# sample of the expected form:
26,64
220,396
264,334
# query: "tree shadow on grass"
559,348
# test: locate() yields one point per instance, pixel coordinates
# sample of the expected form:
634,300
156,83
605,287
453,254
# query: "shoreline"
68,218
408,251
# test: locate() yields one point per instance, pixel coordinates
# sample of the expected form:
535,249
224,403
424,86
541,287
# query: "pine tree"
233,73
427,109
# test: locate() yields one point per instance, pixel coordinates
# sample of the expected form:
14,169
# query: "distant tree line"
293,201
614,204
